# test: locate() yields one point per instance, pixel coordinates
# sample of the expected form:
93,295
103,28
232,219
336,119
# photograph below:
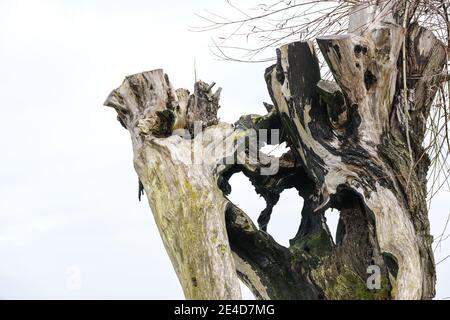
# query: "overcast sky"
68,190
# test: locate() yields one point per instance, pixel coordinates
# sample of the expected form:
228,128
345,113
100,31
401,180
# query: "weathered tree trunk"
356,145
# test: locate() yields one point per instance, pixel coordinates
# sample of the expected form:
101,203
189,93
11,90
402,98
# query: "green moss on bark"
347,285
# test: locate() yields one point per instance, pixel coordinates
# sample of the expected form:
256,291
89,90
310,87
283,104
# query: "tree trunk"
356,145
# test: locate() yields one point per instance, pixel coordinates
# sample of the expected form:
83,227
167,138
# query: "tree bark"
356,146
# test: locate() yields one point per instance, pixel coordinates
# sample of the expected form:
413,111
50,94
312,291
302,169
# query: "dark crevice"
369,79
356,241
359,49
391,263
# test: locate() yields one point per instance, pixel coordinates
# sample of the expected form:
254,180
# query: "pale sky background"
68,190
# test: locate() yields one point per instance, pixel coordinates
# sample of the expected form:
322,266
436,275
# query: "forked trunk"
356,145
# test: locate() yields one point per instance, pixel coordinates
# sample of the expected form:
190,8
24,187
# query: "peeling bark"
349,151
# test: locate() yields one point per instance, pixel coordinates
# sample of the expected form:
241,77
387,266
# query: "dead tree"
356,145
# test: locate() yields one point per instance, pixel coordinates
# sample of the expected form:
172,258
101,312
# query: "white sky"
68,190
